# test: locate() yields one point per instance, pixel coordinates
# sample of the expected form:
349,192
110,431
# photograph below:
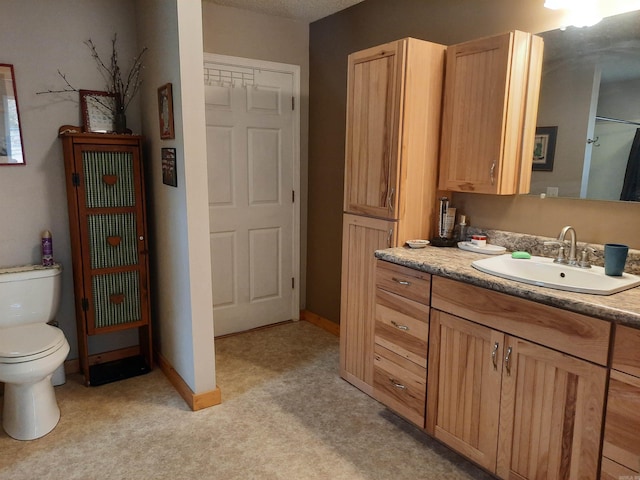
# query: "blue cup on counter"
615,256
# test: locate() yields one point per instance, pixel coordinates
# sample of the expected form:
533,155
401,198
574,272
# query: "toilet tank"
29,294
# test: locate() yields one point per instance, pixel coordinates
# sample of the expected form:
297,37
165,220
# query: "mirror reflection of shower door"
609,157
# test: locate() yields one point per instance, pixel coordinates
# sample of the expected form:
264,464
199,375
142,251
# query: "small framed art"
97,111
165,111
169,176
544,148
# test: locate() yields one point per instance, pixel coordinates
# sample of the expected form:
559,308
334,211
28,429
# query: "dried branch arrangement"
124,88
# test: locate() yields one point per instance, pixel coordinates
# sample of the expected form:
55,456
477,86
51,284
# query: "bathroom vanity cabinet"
394,97
489,114
621,448
516,386
107,220
401,336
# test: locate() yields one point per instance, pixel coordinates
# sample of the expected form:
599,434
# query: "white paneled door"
252,154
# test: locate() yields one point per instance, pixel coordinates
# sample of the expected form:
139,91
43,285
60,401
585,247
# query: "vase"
120,122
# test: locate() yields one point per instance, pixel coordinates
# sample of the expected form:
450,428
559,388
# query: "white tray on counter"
487,249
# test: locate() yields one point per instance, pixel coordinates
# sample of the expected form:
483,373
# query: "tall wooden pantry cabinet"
107,220
394,101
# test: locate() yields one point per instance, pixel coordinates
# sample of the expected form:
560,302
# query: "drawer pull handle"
110,179
396,384
401,282
494,355
116,298
507,361
114,241
399,327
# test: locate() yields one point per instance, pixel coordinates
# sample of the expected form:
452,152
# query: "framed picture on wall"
165,111
544,148
169,175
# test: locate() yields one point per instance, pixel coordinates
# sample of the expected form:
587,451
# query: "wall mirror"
11,151
591,92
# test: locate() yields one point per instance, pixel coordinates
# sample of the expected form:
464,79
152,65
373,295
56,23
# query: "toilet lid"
28,342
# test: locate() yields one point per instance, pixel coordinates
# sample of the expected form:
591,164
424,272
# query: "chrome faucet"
572,260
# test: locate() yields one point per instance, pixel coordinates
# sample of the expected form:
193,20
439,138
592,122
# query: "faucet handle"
584,257
560,258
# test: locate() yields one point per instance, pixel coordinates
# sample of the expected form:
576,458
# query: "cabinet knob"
401,282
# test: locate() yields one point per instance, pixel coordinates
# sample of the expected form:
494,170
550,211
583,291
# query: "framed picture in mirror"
544,148
11,144
97,111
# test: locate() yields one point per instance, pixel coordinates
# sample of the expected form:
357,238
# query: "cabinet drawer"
622,424
625,350
568,332
113,240
116,300
614,471
402,326
404,281
400,384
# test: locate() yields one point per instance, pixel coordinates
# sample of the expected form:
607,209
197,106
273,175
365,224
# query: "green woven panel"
112,240
108,290
98,168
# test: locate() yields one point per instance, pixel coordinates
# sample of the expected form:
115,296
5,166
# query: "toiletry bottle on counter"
461,230
47,249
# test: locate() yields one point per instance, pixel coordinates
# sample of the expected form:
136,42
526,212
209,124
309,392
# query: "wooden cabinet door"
490,108
550,414
361,237
373,99
463,386
622,427
621,447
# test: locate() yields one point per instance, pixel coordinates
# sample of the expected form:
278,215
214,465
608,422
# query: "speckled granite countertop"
623,307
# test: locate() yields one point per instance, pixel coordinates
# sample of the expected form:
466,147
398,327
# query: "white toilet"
30,350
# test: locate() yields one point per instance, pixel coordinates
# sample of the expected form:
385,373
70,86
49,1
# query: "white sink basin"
541,271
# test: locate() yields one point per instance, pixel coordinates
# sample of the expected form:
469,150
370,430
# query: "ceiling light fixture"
580,13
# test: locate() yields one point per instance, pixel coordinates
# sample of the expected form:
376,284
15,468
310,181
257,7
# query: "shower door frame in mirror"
585,72
11,143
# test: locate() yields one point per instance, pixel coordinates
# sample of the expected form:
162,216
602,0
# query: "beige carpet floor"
286,414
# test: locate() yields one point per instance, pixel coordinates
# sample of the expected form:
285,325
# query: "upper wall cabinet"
489,117
393,122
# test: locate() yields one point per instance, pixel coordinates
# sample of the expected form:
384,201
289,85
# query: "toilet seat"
25,343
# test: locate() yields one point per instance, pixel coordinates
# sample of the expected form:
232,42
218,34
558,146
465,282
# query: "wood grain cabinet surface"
394,98
514,406
401,338
489,114
621,447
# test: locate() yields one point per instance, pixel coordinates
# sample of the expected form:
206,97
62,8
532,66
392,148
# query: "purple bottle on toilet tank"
47,249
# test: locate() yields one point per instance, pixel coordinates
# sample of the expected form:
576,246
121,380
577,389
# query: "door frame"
294,71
